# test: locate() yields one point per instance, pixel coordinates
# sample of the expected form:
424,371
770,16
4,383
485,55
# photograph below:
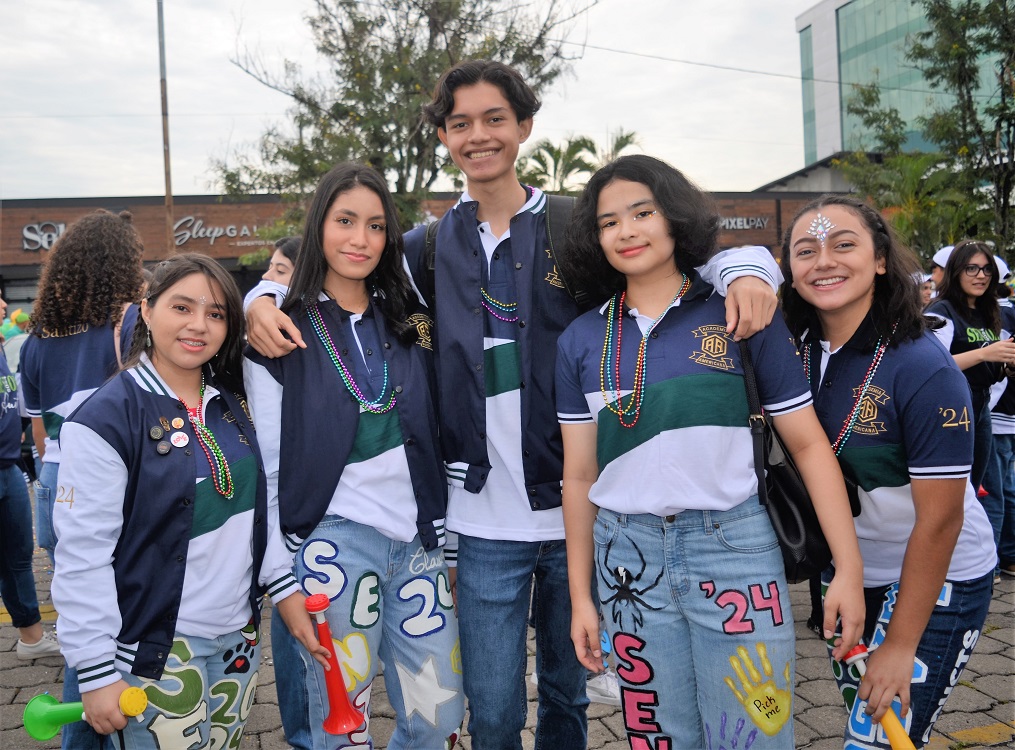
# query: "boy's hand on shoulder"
750,306
265,326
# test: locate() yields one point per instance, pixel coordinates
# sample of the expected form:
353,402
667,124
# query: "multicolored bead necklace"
610,382
221,477
508,308
854,413
374,406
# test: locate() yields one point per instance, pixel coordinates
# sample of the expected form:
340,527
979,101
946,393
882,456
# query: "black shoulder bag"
782,492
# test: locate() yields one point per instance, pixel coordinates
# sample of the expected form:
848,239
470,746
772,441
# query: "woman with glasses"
967,303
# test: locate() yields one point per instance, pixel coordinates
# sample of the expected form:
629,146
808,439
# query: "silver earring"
148,338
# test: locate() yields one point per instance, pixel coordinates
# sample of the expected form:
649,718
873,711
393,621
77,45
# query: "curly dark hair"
92,272
389,279
896,292
951,285
228,361
690,213
520,96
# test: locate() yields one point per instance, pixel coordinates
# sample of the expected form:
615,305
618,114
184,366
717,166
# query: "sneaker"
1009,569
814,626
604,688
45,646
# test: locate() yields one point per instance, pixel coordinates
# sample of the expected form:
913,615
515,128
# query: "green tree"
618,143
554,167
968,53
383,61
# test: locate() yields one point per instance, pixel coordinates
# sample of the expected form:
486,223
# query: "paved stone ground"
980,712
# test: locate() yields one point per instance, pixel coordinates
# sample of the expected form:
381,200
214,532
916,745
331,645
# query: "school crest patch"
553,277
715,343
424,329
867,415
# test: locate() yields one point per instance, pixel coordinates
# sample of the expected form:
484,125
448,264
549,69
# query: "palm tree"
622,140
554,167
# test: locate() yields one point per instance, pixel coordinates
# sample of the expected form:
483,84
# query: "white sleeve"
264,397
727,266
265,288
944,333
88,518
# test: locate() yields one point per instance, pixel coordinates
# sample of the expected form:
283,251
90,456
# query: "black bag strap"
557,216
756,419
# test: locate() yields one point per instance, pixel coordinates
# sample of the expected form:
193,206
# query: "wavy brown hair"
92,272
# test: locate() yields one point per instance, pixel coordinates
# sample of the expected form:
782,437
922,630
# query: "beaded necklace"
508,308
374,406
221,477
609,382
854,413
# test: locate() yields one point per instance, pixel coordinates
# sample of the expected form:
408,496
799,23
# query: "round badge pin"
163,448
156,433
177,423
180,439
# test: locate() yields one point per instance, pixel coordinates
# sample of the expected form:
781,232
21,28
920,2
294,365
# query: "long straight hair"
389,279
951,286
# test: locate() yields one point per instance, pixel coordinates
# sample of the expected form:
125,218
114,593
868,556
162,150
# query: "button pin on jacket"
156,433
177,423
180,439
165,423
163,448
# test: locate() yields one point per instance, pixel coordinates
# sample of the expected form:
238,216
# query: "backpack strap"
558,214
430,263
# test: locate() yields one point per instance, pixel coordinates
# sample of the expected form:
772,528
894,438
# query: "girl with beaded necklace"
163,552
897,410
348,432
660,493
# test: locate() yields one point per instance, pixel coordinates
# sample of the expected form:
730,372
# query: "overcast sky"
79,89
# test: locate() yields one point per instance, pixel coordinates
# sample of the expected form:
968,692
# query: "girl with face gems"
972,331
896,410
347,427
660,494
163,552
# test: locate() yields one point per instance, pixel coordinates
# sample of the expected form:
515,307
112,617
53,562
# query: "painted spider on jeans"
625,596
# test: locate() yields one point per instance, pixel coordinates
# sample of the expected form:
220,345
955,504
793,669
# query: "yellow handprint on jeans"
768,706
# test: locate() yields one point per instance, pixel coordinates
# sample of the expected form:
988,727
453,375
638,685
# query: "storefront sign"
190,228
41,236
744,222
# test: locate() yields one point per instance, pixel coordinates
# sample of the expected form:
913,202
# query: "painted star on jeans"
422,692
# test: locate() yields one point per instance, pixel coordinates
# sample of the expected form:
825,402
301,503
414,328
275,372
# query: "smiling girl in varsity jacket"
163,545
348,433
660,491
897,411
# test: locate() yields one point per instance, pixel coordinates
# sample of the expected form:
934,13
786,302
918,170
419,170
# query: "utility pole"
170,245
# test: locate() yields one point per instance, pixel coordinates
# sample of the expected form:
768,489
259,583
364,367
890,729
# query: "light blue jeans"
698,610
203,699
495,579
46,487
390,602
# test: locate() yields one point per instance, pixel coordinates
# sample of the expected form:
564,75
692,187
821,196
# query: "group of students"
436,415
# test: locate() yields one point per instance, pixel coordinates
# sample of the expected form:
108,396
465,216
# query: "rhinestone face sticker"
820,227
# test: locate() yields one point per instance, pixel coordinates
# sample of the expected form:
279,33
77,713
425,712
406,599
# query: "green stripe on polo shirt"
52,422
375,434
502,369
878,465
211,510
708,400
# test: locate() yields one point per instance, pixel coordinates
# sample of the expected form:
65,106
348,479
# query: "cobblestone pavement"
980,712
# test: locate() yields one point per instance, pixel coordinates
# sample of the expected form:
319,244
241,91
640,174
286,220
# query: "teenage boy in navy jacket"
500,305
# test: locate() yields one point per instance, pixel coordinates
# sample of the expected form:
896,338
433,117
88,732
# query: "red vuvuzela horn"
343,717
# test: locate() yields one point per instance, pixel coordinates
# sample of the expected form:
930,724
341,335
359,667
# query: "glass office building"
844,43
